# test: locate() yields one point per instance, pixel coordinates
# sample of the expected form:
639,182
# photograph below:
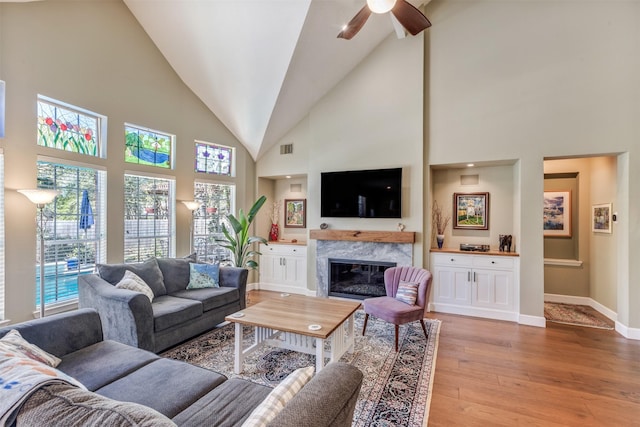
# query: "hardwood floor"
493,373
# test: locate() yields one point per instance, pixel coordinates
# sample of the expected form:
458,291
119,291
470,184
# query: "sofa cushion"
176,272
102,363
220,406
170,311
166,385
203,276
149,271
65,405
211,298
13,343
133,282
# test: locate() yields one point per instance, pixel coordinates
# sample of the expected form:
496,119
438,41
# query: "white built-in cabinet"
481,285
283,268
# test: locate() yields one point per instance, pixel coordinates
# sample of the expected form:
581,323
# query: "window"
70,128
148,147
74,228
217,201
149,226
214,159
1,236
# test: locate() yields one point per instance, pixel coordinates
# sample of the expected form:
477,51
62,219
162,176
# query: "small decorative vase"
274,232
440,240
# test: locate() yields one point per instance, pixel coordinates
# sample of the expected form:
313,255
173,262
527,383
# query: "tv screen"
361,194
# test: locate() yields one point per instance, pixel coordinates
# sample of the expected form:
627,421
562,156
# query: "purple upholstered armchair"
392,309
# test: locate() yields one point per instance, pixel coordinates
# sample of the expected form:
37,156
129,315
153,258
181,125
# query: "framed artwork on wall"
601,218
295,213
471,211
557,214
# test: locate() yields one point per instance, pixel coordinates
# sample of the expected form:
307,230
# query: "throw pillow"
407,292
149,271
133,282
279,397
203,276
12,344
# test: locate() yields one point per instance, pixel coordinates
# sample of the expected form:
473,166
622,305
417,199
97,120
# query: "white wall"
372,119
528,80
96,56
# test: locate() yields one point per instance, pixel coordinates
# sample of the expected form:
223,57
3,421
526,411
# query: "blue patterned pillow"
407,292
203,276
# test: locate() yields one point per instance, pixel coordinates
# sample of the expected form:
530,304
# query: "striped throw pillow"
278,398
133,282
407,292
13,345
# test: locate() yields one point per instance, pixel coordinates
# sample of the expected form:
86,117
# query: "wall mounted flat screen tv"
361,194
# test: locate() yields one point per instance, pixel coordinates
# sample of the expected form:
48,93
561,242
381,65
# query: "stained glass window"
148,147
214,159
69,128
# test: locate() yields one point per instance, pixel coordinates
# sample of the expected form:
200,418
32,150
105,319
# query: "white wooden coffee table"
298,323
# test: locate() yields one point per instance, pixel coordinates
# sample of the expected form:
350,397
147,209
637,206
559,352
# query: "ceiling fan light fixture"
381,6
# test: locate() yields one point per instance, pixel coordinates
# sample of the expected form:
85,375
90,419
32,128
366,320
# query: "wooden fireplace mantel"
364,236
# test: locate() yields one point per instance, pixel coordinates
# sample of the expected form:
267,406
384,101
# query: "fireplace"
357,279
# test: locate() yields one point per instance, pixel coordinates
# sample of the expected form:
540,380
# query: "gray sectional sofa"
176,313
176,392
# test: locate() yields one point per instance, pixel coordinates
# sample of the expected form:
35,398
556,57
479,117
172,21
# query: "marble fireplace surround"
389,246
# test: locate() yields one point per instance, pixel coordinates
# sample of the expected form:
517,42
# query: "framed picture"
601,218
295,213
557,214
471,211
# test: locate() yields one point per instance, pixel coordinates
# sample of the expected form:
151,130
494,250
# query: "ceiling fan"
403,13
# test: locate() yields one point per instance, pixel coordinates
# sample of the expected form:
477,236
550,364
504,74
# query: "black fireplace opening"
357,279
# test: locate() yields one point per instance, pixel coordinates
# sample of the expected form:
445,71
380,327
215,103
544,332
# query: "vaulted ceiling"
259,65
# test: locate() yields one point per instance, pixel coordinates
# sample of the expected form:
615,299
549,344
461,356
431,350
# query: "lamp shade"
40,196
192,205
381,6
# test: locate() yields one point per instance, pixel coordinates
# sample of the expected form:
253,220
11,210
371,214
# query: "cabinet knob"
452,260
493,262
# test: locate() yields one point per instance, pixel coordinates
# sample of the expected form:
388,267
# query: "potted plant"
439,222
238,240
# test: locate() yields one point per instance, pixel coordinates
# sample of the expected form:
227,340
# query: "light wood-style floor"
493,373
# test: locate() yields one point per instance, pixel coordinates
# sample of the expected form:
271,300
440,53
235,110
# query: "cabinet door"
452,285
492,289
270,268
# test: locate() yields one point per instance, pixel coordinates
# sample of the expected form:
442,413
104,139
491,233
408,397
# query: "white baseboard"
537,321
625,331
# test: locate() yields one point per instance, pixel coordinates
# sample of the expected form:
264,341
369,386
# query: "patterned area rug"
396,390
573,314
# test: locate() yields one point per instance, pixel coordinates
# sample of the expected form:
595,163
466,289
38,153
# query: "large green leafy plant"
237,239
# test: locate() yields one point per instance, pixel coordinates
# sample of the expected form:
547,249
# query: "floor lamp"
41,197
193,206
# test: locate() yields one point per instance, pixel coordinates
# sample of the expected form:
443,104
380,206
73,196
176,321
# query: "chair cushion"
210,298
407,292
149,271
175,272
170,311
392,310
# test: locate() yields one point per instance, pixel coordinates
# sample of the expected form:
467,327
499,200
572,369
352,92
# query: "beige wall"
96,56
372,119
529,80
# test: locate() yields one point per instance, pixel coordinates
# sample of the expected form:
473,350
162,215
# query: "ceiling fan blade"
352,28
410,17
